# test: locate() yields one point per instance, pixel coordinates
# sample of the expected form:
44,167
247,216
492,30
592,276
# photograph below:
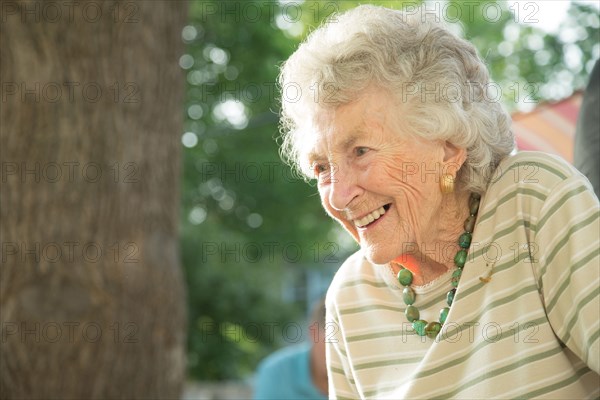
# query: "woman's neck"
433,254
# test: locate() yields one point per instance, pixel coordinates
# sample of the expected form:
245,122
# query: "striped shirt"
525,322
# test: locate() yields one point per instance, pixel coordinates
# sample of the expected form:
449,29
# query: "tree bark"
91,290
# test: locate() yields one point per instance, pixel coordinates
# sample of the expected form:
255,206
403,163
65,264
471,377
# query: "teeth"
367,219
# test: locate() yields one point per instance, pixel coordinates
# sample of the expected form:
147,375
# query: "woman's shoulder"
529,165
529,183
532,169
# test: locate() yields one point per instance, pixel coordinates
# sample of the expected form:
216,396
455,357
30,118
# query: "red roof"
550,127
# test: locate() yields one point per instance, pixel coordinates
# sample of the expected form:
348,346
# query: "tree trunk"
91,291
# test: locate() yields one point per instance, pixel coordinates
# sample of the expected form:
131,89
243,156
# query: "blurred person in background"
299,371
478,270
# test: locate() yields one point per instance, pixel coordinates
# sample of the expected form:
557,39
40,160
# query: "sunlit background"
257,248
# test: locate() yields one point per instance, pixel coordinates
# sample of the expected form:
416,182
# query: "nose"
343,187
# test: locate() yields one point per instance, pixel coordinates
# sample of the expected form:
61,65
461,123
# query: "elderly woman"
478,270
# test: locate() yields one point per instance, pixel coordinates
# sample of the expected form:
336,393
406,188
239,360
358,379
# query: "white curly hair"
439,79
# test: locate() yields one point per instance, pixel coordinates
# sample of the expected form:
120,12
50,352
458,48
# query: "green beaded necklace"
405,277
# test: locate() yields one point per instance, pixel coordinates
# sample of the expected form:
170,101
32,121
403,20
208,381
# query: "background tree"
91,289
232,206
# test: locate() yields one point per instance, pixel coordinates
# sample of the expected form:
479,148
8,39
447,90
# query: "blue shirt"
285,374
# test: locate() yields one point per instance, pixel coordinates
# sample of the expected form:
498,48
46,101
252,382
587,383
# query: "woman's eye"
318,169
360,151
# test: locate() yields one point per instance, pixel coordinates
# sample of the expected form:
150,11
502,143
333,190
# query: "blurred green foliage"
237,196
246,221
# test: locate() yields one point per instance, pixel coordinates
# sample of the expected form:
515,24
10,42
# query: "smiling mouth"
372,217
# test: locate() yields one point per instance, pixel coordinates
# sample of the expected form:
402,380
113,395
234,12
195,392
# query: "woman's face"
367,164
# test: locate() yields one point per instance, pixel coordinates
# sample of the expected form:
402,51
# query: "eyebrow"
352,138
348,142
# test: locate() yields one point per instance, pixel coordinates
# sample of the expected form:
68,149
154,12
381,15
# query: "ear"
454,157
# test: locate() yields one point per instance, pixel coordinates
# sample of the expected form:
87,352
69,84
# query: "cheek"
419,178
394,174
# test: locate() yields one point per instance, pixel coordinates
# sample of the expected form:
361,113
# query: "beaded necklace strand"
405,277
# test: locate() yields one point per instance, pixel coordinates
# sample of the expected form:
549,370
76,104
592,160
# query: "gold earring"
447,183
